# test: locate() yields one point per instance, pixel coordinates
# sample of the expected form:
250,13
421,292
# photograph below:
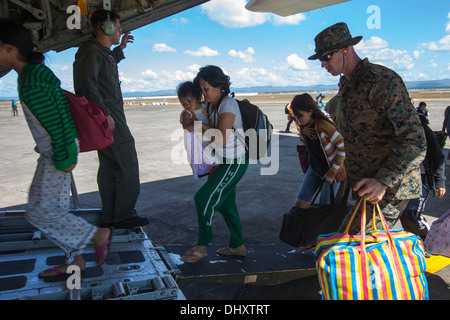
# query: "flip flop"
100,251
195,254
54,270
229,252
57,273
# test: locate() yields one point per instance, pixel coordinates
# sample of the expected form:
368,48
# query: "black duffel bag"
301,227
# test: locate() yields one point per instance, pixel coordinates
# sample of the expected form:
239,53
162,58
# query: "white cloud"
246,56
447,28
194,67
255,77
378,51
291,20
441,45
374,43
131,84
176,77
232,14
162,47
202,52
181,21
297,63
149,74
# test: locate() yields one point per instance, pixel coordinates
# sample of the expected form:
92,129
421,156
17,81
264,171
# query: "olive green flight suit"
96,77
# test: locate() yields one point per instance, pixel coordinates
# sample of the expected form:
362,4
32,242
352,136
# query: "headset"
108,27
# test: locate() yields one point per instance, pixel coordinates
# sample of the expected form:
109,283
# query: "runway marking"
436,263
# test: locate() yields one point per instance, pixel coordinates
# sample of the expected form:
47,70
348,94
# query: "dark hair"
422,104
215,77
16,35
304,102
187,88
100,15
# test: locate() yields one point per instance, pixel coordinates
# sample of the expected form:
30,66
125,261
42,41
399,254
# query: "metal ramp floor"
135,268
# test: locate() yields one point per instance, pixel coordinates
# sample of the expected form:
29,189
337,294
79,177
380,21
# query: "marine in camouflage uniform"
383,136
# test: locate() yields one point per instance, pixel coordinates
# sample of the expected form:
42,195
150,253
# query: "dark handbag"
301,227
303,156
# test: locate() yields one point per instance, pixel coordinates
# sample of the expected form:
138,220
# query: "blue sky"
259,49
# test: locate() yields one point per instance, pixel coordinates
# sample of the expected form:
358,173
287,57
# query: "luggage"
378,265
438,237
90,121
257,129
301,227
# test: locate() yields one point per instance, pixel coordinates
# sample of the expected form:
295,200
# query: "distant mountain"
431,84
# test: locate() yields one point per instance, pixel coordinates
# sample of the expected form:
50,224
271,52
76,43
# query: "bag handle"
364,265
332,199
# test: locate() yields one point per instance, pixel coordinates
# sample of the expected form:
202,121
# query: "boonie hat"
333,38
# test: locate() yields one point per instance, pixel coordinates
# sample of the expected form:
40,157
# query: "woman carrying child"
219,191
49,119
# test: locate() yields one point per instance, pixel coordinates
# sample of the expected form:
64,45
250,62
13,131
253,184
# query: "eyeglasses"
327,57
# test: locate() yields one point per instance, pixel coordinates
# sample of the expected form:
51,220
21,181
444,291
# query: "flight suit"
96,77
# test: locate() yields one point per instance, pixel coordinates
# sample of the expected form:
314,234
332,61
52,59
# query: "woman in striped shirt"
49,119
326,149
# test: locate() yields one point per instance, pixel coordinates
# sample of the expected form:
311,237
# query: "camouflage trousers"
391,209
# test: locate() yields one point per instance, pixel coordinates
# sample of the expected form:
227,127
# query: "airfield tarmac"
167,185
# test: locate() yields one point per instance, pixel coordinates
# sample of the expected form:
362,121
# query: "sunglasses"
327,57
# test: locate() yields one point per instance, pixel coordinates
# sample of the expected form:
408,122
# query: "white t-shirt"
234,148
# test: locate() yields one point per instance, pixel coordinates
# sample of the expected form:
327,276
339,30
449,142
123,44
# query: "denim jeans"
311,183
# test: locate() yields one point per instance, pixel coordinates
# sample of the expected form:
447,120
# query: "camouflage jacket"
382,132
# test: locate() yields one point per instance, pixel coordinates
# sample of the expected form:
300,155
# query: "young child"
48,115
190,96
194,109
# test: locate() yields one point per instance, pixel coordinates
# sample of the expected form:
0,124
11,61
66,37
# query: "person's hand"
373,189
126,38
111,122
308,132
213,170
327,178
440,192
70,168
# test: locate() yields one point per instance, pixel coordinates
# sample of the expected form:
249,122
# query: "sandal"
56,273
102,251
230,252
195,256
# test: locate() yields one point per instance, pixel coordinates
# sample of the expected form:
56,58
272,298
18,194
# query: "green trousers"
219,194
118,181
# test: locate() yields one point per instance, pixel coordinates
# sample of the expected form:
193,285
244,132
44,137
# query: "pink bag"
90,121
201,163
438,237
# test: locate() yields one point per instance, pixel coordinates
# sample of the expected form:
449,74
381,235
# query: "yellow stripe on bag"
436,263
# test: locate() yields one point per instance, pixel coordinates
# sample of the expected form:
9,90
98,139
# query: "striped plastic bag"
378,265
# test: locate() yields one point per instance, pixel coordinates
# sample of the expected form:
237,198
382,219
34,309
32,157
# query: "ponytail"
35,57
19,37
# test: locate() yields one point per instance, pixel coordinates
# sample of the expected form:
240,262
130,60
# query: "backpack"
257,129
